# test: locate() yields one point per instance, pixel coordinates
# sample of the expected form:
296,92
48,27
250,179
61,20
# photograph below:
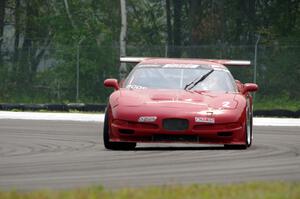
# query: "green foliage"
44,65
48,42
146,22
281,102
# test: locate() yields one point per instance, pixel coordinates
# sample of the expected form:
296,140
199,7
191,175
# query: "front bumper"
223,133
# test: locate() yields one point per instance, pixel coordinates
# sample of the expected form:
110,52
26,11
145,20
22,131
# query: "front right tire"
106,136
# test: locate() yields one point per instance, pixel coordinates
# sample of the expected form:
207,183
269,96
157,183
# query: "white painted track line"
266,121
88,117
82,117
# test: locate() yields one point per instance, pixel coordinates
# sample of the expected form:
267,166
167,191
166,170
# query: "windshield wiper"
192,84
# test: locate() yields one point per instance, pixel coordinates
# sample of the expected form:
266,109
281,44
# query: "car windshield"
177,78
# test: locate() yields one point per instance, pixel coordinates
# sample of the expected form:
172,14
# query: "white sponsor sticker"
147,119
135,87
149,66
205,119
180,66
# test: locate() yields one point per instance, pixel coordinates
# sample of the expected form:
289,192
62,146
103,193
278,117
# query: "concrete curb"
99,117
101,108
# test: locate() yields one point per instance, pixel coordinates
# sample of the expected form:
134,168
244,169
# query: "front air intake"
225,134
174,124
175,138
126,131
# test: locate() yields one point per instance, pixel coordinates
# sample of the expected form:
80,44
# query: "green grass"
276,103
252,190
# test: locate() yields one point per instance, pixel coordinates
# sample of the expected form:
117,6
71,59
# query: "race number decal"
226,104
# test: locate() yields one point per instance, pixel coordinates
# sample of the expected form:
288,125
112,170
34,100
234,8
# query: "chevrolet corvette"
179,100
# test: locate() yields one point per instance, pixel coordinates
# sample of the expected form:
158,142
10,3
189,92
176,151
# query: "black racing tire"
248,132
114,145
249,127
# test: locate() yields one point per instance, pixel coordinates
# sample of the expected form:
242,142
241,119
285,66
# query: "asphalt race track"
62,154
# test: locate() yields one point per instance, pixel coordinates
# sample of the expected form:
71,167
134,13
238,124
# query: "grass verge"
252,190
276,103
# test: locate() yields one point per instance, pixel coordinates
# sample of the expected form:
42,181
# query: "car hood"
177,98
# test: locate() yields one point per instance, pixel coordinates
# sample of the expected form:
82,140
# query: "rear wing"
230,62
133,59
219,61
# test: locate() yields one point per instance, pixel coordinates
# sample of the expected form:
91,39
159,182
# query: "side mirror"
250,87
113,83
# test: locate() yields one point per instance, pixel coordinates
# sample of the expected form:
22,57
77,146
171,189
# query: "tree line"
42,41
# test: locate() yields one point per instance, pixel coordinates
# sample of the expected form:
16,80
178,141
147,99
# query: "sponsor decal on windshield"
180,66
135,87
149,66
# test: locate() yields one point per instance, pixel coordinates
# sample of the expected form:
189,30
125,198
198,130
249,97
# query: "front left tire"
106,136
249,125
247,132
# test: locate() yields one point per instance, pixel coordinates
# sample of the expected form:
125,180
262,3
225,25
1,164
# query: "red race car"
179,100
